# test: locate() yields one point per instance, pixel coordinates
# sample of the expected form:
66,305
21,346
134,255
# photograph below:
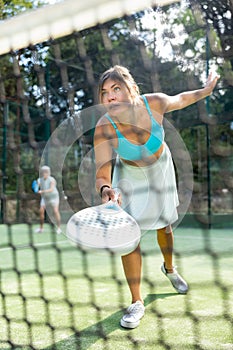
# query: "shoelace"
134,308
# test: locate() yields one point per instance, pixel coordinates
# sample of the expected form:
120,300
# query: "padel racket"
35,187
104,227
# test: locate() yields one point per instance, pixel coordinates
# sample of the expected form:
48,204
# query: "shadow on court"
102,329
152,297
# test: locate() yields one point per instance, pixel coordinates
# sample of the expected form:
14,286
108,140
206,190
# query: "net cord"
61,19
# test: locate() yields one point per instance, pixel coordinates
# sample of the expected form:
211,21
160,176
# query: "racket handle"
117,194
113,204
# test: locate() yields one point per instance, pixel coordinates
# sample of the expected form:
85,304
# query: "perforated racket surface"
106,226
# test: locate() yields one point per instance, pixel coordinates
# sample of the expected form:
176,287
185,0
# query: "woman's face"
115,96
45,174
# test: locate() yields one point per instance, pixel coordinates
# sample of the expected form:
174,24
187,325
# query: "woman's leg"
166,241
132,264
57,216
42,214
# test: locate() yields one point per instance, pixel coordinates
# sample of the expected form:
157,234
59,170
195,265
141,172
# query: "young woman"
49,197
144,172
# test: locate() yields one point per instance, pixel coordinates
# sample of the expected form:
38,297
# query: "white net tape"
55,21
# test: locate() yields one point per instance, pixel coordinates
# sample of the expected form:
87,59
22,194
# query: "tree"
13,129
166,52
10,8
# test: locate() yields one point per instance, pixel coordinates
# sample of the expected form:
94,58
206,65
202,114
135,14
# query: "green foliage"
10,8
1,9
13,7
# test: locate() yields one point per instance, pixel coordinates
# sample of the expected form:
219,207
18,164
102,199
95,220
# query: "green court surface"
53,296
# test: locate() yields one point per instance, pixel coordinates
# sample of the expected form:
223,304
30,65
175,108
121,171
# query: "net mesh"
52,294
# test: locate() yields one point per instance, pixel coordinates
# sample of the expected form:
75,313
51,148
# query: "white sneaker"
176,280
59,231
39,230
133,315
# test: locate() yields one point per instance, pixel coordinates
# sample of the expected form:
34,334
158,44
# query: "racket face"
35,187
104,228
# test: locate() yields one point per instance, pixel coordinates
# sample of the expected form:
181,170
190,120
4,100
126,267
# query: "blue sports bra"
129,151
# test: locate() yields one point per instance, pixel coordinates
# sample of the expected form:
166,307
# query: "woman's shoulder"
155,96
156,101
52,179
104,127
103,120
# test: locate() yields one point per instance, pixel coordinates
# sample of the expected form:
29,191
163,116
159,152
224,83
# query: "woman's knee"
166,229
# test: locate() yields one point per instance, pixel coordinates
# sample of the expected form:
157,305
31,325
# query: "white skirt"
50,200
149,193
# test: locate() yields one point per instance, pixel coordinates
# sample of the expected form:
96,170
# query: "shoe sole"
179,291
129,325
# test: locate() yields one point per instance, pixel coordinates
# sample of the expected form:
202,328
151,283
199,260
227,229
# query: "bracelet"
102,188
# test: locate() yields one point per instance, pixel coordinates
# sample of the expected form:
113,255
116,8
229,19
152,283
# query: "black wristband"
102,188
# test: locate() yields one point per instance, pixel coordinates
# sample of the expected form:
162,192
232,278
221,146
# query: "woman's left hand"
211,82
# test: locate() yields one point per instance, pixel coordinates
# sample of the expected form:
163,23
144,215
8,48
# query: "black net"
54,295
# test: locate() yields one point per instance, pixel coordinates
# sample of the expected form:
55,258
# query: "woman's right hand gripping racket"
104,227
